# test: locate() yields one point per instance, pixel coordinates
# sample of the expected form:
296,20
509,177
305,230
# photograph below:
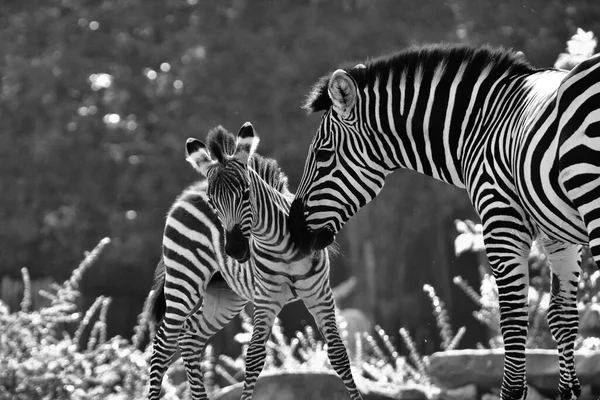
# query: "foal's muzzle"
236,245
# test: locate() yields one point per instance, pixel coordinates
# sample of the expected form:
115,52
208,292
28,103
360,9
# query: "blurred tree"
98,98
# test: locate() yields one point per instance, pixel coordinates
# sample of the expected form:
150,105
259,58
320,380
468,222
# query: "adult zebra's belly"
548,207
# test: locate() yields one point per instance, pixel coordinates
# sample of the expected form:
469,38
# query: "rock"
489,396
308,385
533,394
353,321
589,320
468,392
588,393
456,368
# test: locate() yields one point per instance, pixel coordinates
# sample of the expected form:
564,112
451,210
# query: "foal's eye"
323,155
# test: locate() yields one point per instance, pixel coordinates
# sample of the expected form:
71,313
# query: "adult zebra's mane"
424,58
221,144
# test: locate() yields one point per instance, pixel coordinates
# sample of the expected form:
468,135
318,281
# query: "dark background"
85,156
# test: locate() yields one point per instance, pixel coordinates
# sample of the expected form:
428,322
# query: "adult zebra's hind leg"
579,146
265,311
507,245
563,318
322,308
220,306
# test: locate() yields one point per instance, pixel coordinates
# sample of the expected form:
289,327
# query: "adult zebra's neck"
270,209
424,107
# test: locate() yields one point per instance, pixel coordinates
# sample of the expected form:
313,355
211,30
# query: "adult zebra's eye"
323,155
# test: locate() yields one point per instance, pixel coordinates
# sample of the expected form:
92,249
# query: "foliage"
98,97
40,359
375,360
57,352
43,354
471,239
581,47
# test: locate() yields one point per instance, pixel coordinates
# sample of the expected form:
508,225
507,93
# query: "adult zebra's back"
523,142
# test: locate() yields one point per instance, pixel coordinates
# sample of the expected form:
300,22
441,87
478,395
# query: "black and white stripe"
198,289
281,273
523,142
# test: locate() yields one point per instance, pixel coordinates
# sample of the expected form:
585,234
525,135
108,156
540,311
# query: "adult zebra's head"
343,169
228,183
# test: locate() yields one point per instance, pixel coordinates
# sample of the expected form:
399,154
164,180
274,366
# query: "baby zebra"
254,215
197,288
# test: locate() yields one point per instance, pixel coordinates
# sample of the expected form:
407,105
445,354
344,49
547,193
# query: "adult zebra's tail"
156,301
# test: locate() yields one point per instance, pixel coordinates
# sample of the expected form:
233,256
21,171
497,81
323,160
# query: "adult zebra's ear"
342,92
197,155
247,142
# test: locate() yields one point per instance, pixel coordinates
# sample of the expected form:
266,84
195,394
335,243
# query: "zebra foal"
254,215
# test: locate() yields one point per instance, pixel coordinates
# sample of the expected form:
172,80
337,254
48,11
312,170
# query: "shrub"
376,363
40,359
471,239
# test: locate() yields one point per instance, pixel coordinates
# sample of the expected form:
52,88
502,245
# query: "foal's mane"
221,144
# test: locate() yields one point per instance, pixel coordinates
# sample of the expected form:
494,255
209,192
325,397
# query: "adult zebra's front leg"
507,244
563,317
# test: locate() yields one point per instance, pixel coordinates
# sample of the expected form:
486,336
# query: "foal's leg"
319,301
220,306
265,310
181,300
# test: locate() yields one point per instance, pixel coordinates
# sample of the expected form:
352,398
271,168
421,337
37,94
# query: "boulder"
310,385
468,392
533,394
456,368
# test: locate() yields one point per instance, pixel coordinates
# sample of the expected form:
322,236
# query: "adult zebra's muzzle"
236,245
306,239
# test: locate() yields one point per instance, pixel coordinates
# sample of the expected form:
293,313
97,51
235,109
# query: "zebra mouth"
245,257
240,254
236,245
305,239
323,238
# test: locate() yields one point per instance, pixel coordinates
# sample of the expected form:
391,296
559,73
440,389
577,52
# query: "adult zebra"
523,142
257,212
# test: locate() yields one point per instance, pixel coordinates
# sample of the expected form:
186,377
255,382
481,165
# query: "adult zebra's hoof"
514,393
571,393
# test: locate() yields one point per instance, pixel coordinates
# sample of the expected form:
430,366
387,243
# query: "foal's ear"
247,142
197,155
342,92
